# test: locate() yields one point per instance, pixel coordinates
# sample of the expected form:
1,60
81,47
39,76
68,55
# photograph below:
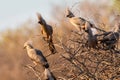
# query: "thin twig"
35,72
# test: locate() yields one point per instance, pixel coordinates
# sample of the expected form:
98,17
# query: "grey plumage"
112,38
92,38
75,21
47,32
81,23
36,55
46,29
38,58
69,13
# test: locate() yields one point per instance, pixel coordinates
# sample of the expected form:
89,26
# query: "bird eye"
40,22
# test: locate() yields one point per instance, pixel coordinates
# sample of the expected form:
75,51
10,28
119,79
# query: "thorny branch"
95,64
37,74
84,63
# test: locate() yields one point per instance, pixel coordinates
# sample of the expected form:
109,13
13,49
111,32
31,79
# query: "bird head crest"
39,16
69,13
41,20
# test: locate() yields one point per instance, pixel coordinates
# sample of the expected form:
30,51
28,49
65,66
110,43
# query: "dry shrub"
77,62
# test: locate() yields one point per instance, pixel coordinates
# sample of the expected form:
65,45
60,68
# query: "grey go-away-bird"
47,32
46,29
38,58
81,23
75,21
112,37
78,22
92,32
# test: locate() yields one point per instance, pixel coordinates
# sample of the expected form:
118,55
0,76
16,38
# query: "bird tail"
52,48
48,75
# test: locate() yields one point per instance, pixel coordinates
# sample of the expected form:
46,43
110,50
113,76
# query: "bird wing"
78,20
42,58
40,55
94,31
115,36
112,37
50,29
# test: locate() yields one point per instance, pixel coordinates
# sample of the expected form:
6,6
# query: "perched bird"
46,29
92,38
111,38
35,55
38,58
75,21
81,23
47,32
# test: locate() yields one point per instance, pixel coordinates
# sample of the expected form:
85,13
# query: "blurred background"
18,23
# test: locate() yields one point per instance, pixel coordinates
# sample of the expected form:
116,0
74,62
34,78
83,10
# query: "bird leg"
52,48
49,38
46,39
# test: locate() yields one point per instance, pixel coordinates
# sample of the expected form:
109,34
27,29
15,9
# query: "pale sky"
15,12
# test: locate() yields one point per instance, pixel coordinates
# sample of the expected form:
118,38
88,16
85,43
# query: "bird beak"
67,16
